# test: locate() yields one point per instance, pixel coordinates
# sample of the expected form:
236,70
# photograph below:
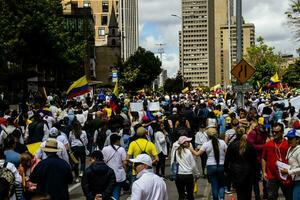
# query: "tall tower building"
225,61
200,40
129,26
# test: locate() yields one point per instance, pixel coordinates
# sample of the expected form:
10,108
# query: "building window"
105,6
101,32
113,42
104,20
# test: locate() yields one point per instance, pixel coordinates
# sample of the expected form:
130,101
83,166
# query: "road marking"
73,187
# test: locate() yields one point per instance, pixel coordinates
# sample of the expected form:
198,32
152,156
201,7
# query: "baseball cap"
293,133
174,109
184,139
296,125
142,158
54,132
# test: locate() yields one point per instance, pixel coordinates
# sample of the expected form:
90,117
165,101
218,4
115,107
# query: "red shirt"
271,153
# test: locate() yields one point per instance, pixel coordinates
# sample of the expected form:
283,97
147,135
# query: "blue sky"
158,26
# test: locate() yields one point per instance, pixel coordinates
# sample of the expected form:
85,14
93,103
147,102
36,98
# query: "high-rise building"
200,40
224,66
129,27
126,12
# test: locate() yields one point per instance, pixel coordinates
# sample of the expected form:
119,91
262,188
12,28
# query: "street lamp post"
181,48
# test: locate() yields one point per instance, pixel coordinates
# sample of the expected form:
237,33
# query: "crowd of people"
99,142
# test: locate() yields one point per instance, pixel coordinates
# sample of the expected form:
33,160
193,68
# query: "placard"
296,103
154,106
136,107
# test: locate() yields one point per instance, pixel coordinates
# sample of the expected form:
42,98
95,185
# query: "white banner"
296,103
136,107
154,106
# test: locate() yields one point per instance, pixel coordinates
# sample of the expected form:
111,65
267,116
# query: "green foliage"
264,60
32,36
292,75
140,70
293,15
175,84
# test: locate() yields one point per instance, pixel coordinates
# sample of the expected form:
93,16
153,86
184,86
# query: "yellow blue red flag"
78,88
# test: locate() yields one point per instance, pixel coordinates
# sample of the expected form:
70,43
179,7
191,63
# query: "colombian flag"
275,82
114,99
78,88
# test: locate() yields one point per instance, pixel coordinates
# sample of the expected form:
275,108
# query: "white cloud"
267,15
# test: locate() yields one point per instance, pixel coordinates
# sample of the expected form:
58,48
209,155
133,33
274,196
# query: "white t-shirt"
114,159
200,138
231,135
161,143
208,148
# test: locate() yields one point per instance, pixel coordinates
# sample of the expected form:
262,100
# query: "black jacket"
52,176
240,168
98,178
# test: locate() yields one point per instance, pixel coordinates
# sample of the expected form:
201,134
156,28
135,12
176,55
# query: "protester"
293,156
53,174
200,138
98,180
115,157
9,151
273,151
160,139
187,169
148,186
142,146
78,140
240,165
215,150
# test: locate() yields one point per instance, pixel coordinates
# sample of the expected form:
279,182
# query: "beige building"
126,12
201,19
223,65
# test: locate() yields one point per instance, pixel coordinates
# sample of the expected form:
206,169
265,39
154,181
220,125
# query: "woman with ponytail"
115,157
240,164
215,150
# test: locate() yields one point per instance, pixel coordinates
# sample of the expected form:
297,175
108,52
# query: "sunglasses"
135,165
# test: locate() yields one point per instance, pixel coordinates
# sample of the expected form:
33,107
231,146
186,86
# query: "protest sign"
153,106
136,107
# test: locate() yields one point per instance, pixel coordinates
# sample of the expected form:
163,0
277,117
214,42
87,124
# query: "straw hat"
51,146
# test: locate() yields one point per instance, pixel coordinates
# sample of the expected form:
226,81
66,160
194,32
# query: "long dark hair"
212,132
76,129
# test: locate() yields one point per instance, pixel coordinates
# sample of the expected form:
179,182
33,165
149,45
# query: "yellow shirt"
140,145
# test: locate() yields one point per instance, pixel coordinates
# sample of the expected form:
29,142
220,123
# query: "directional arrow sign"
243,71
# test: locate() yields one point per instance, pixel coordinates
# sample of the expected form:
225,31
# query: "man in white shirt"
148,186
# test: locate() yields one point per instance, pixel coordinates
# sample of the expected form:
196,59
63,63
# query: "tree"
175,84
265,61
292,76
293,15
32,37
140,70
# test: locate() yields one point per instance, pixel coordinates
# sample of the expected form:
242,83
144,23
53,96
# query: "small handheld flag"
78,88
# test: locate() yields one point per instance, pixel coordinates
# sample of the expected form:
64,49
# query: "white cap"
174,109
142,158
54,132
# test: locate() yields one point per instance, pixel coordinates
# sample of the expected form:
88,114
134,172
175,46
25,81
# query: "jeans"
273,187
161,164
185,183
117,191
217,180
79,153
296,190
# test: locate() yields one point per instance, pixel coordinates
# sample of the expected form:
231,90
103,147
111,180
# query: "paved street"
204,191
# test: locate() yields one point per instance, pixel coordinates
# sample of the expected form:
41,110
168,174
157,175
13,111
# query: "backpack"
9,177
143,151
